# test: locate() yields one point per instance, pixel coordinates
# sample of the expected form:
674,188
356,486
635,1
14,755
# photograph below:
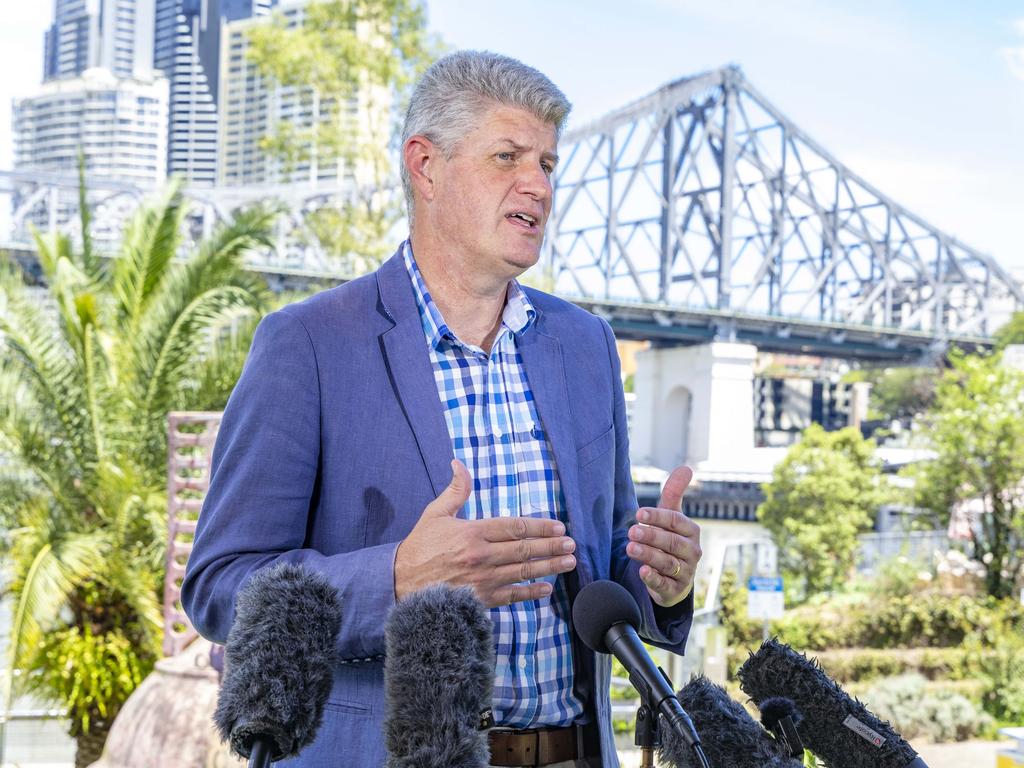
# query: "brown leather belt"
534,746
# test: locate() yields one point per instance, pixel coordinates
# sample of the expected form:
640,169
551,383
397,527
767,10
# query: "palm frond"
180,342
209,383
45,363
57,562
198,296
32,456
150,243
90,261
219,258
51,248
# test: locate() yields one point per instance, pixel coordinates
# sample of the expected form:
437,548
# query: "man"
435,421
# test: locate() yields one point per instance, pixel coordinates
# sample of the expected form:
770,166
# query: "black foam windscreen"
438,679
279,660
597,607
835,727
774,708
728,734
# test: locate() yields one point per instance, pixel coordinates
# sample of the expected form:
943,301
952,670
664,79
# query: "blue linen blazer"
333,442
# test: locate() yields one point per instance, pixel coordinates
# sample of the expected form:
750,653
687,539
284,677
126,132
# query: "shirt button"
523,662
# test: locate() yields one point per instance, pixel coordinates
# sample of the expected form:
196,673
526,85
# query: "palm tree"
86,381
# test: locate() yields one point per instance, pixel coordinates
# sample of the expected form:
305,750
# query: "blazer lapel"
408,364
542,358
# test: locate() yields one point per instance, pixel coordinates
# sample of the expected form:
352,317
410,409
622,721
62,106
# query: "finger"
532,569
515,528
674,488
454,497
517,593
670,520
659,538
667,589
505,552
663,562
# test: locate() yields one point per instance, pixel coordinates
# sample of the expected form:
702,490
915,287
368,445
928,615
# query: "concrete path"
963,754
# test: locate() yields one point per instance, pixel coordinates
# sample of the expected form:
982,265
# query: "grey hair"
447,102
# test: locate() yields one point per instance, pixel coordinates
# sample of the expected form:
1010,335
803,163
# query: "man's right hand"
494,556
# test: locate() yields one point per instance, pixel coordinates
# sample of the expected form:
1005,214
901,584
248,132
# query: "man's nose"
535,182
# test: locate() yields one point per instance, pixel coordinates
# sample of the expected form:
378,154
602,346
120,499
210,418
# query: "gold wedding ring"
679,566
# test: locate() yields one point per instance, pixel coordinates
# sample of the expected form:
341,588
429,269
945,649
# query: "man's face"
493,198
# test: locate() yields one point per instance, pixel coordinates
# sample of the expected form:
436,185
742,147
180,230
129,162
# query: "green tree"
976,428
902,393
350,65
1012,332
821,496
87,376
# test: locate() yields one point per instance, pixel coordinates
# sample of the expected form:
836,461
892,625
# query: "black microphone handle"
625,645
262,749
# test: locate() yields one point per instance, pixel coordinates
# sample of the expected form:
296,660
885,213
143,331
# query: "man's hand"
493,556
666,543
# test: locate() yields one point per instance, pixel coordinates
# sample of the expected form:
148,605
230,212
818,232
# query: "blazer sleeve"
263,482
665,628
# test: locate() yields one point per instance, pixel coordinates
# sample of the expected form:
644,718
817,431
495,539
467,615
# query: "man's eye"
504,156
548,168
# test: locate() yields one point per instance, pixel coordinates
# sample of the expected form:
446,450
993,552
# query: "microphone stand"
647,717
647,736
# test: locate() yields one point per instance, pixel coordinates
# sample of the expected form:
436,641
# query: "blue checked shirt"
497,434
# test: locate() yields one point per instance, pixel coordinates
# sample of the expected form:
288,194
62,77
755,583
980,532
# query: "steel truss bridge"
696,213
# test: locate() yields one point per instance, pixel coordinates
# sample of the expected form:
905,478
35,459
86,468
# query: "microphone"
438,680
606,616
279,663
730,736
780,716
838,729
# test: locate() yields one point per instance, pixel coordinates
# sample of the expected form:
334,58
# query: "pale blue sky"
923,99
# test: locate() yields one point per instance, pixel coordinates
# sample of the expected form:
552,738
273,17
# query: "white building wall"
693,405
119,125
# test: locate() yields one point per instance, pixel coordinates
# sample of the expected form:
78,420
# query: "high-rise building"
118,124
187,51
113,34
252,108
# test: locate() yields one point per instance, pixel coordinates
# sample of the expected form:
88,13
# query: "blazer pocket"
596,448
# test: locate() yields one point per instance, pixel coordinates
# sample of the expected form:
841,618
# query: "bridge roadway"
666,325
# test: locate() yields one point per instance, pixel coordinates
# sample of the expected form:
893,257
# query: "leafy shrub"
862,621
919,621
740,628
898,577
1003,673
915,712
849,664
92,674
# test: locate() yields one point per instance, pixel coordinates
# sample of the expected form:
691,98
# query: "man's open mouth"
526,218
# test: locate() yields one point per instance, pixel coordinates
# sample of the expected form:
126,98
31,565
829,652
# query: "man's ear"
419,155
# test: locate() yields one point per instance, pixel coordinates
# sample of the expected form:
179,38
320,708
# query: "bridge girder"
704,196
701,203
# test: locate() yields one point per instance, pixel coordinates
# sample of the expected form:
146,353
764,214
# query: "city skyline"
925,101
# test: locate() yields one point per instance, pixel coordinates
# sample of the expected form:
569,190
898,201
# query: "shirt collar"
517,315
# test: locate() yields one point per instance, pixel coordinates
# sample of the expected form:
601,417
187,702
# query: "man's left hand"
666,543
